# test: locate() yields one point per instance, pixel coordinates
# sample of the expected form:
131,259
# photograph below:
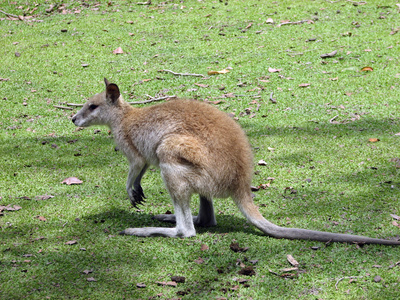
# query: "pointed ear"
106,81
112,92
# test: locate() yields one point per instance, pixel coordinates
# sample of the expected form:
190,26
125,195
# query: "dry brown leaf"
304,84
396,217
396,224
204,247
118,51
289,269
236,248
91,279
367,69
273,70
249,271
72,180
41,218
373,140
217,102
199,261
201,85
292,261
167,283
178,279
44,197
269,21
332,54
224,71
9,207
262,162
248,26
228,95
394,31
73,242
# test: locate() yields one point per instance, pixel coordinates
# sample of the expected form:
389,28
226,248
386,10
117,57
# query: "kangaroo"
199,150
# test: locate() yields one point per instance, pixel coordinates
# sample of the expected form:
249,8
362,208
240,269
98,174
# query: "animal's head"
98,110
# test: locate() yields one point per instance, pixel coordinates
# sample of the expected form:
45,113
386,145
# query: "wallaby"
199,150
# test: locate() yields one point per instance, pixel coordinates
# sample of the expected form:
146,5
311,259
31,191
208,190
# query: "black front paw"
136,197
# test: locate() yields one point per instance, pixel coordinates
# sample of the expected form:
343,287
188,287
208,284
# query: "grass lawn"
326,131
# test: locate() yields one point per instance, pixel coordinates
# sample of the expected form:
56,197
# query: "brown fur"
199,150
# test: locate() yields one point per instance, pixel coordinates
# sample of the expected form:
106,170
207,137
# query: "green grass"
327,175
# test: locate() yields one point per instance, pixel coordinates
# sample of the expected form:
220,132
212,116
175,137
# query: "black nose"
73,119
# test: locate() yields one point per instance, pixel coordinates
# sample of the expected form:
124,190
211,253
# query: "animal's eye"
93,106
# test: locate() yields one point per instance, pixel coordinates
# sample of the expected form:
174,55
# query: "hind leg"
184,223
180,191
205,218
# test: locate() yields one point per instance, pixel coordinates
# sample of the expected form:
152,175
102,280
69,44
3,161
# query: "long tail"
250,211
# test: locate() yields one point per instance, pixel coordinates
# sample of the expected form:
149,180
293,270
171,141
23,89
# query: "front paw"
136,197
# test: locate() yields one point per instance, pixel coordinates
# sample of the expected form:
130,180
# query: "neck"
118,113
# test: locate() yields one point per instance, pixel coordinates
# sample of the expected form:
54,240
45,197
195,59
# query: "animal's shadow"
120,219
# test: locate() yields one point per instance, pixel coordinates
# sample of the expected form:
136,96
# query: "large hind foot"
158,231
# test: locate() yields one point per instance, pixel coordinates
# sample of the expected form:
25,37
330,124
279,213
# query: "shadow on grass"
356,128
126,219
59,269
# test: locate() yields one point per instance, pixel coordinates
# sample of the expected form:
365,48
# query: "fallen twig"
152,100
332,54
272,272
294,54
254,96
348,277
182,74
234,96
272,99
63,107
331,120
144,3
394,265
294,23
138,102
10,15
